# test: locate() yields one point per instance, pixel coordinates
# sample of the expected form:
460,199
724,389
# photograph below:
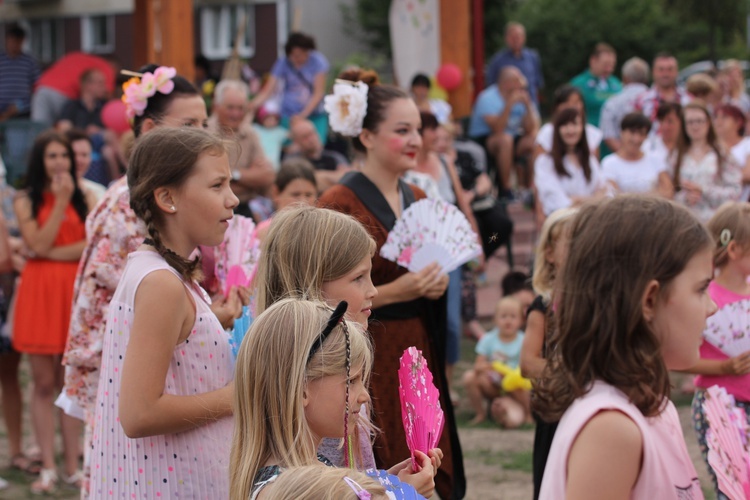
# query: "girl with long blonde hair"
550,255
324,255
280,421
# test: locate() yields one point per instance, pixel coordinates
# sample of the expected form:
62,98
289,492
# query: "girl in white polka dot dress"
163,416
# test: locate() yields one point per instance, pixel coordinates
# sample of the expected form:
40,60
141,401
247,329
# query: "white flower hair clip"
347,107
725,237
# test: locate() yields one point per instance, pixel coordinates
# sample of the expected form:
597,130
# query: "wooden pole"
455,47
163,34
477,22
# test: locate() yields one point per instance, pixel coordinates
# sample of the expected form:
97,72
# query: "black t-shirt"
540,305
544,432
325,162
80,116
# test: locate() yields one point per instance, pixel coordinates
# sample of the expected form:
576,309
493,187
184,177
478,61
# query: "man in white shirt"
664,89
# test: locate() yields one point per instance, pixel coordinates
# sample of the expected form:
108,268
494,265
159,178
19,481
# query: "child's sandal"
75,480
46,483
25,464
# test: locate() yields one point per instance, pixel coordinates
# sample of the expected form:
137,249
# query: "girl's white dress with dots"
190,464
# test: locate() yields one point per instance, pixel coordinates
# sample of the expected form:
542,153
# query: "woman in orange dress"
51,212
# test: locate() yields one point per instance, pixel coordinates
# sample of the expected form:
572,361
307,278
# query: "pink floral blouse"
113,231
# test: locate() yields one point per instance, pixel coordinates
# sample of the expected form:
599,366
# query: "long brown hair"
166,157
684,143
617,247
559,148
37,181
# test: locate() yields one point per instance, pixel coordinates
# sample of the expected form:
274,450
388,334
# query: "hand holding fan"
428,231
727,443
420,404
237,256
729,328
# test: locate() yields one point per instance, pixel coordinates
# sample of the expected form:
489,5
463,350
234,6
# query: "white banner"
415,38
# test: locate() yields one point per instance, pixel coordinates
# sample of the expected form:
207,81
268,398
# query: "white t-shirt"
555,191
741,151
441,109
544,137
640,176
654,146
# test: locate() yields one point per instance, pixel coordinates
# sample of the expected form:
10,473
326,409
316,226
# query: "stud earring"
173,208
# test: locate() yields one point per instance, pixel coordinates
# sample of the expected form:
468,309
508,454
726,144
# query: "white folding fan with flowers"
727,440
431,231
729,328
420,403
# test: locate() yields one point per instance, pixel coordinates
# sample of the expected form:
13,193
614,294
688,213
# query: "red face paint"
396,144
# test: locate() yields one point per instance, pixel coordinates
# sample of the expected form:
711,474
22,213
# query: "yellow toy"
512,378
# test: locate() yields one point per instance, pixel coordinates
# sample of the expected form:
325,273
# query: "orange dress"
45,294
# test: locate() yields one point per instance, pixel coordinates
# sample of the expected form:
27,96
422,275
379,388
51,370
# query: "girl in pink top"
730,227
632,305
163,426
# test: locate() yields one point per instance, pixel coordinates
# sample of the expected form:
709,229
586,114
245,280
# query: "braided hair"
347,437
166,157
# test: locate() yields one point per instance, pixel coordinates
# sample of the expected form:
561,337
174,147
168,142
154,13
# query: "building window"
220,26
98,34
44,39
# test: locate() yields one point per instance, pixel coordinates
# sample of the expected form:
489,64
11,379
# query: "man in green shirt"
597,83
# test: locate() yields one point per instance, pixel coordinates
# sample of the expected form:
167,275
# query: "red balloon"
114,117
449,76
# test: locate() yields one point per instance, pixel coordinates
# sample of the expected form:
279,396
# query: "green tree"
725,19
367,22
564,33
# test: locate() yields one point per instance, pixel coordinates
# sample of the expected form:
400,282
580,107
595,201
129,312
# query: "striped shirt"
17,78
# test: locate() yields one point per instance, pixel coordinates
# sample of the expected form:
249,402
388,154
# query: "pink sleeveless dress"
190,464
667,471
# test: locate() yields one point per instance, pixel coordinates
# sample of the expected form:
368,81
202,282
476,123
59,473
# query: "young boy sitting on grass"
511,408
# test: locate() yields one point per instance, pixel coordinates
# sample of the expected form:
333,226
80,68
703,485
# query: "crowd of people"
107,255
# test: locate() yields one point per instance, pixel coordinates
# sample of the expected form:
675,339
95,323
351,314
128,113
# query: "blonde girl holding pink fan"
280,421
730,227
321,254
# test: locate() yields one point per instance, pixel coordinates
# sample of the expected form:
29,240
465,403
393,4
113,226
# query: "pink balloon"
449,76
114,117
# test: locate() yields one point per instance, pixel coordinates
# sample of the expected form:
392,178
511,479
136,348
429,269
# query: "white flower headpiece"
347,107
